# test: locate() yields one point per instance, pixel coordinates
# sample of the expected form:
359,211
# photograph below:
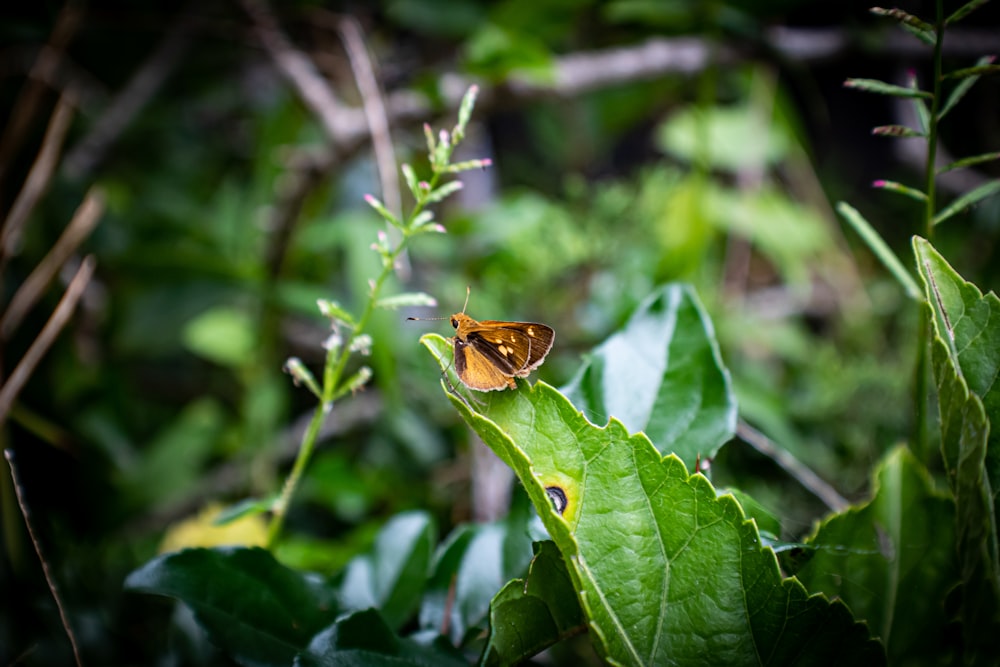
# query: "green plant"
636,547
957,348
349,332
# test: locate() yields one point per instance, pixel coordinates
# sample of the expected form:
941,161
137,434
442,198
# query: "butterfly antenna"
468,290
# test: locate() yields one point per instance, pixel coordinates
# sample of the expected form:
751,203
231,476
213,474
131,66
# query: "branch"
40,346
49,579
806,477
348,128
46,63
378,124
299,70
375,115
79,228
37,181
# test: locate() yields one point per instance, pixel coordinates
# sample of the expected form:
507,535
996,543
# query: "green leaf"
921,29
423,218
245,507
412,182
965,356
663,375
964,11
971,197
437,194
969,161
531,614
364,640
498,52
767,522
251,606
893,186
666,572
406,299
335,311
977,70
465,113
883,88
899,550
919,105
880,248
469,568
393,575
225,335
896,131
959,91
301,375
354,383
389,217
697,134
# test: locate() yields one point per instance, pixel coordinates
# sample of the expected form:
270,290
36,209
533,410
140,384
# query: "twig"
79,228
87,93
25,109
806,477
590,70
12,387
378,123
585,71
90,151
299,70
49,579
37,181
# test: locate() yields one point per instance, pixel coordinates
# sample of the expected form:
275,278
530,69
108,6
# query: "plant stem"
932,131
333,371
921,370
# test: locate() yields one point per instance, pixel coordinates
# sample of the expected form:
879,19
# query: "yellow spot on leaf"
201,531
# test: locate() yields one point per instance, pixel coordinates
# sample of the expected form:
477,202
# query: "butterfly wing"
542,337
520,346
476,371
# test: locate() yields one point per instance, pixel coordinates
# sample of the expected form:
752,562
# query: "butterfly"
491,353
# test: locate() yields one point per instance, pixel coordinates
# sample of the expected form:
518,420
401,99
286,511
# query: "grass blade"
883,88
964,11
969,161
893,186
920,29
968,199
959,91
880,248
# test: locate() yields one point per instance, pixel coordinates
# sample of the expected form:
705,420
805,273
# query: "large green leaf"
257,610
965,355
531,614
364,640
666,571
662,375
393,576
892,560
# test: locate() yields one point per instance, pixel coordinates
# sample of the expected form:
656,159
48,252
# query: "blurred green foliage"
165,392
